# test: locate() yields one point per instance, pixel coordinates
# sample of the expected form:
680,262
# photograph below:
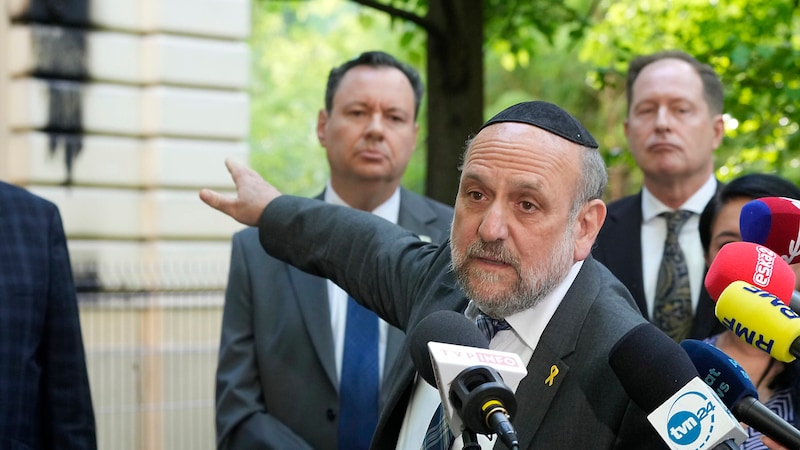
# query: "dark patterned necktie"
439,436
672,312
490,326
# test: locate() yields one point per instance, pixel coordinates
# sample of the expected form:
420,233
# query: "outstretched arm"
253,194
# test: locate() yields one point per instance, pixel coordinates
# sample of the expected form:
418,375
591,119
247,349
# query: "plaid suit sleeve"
68,407
45,400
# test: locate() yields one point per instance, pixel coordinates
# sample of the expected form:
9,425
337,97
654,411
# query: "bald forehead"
665,72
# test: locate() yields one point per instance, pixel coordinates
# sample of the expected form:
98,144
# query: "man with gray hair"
527,213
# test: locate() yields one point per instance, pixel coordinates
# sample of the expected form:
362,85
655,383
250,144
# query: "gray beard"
531,287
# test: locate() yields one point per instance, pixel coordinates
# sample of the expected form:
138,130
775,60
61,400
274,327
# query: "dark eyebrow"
730,234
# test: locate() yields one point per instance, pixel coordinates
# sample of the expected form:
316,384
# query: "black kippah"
546,116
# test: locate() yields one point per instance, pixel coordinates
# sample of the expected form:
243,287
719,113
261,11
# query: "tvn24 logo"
691,420
694,418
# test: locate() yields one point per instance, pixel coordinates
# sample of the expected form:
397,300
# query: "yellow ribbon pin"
553,373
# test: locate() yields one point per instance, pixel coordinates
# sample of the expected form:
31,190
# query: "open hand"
253,194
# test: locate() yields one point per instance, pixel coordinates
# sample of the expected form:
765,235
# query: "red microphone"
754,264
773,222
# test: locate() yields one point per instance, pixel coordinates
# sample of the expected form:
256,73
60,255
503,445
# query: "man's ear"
587,225
322,119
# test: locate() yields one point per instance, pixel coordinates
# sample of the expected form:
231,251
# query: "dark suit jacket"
404,280
45,401
277,386
619,247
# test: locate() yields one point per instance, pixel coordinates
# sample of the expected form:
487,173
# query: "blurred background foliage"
293,47
575,56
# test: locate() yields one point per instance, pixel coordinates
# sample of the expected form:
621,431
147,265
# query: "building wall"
151,360
119,111
120,114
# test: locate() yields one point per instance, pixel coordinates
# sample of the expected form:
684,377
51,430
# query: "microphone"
476,384
733,386
773,222
760,319
794,303
659,377
752,263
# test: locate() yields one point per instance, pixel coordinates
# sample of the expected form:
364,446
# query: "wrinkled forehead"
512,139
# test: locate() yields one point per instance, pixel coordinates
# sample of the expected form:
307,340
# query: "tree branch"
421,22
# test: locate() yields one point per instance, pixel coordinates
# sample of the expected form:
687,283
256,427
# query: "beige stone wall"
119,118
163,103
151,361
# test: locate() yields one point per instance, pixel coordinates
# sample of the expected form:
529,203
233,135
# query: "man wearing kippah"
527,213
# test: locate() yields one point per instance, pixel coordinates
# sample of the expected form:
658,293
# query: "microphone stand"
470,439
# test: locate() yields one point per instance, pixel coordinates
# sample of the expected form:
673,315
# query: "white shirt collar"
652,207
389,210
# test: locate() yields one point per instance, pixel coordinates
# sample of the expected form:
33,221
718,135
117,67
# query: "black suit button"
330,415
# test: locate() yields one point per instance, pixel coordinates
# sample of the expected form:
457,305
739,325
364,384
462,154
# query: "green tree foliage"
458,35
753,44
575,55
293,47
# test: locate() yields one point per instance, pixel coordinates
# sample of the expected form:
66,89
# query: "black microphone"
794,301
660,378
736,390
475,391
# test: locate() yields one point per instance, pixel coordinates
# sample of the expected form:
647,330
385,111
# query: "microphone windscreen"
752,263
773,222
650,366
725,376
759,318
447,327
755,221
732,385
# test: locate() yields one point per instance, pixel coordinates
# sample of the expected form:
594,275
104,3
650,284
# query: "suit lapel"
535,393
312,298
416,216
626,263
548,369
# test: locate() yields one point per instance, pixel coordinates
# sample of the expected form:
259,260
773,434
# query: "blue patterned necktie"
439,436
672,311
490,326
358,388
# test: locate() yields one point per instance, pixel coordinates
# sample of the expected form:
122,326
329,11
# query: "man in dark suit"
673,126
281,354
527,212
45,401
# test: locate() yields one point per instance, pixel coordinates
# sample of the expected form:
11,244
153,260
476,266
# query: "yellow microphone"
761,319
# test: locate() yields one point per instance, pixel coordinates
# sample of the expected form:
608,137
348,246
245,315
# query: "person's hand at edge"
772,445
253,194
